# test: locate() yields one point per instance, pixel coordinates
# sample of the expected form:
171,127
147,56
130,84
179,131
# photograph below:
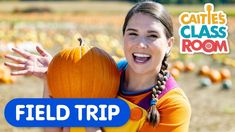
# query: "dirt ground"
213,109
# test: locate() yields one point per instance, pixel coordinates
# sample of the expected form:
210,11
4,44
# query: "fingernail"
37,46
6,56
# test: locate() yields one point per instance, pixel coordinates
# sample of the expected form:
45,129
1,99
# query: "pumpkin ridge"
93,71
71,58
111,62
110,70
97,52
103,68
78,64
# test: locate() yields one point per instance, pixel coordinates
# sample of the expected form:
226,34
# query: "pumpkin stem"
80,41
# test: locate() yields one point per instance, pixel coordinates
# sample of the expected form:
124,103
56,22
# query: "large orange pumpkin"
83,72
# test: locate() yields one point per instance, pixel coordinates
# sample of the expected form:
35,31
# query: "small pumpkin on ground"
190,66
205,82
225,73
204,71
215,76
227,84
5,75
175,73
179,65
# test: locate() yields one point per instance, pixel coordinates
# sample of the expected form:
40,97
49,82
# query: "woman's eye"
132,34
153,36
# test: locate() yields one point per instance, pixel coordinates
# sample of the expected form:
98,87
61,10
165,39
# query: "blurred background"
207,79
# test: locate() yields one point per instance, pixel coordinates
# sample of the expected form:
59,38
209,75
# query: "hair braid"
153,115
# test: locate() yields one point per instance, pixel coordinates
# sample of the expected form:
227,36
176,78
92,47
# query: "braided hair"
153,114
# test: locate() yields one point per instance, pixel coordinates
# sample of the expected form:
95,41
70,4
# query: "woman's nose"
142,43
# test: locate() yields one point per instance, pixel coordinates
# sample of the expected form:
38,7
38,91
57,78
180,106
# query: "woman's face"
145,43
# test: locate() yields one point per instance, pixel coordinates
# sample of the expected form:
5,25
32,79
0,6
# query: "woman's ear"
170,43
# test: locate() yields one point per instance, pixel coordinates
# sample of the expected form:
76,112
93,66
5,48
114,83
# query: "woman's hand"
29,64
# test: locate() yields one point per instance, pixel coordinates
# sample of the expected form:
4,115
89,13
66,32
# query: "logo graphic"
204,32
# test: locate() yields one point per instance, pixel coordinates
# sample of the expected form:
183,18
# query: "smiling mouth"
141,58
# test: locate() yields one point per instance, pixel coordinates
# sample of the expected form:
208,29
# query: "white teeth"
139,61
141,55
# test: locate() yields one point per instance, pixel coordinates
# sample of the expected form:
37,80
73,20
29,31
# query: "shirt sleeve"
122,64
175,113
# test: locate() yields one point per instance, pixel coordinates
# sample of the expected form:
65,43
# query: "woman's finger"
22,53
15,58
22,72
14,66
41,51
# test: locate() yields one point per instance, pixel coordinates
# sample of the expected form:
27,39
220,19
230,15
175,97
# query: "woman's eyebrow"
152,31
131,29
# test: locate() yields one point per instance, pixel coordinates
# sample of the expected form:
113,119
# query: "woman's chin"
140,68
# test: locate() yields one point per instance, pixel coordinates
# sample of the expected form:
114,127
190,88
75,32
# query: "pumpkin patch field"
208,80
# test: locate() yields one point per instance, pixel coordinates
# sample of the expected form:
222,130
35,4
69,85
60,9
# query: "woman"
145,81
